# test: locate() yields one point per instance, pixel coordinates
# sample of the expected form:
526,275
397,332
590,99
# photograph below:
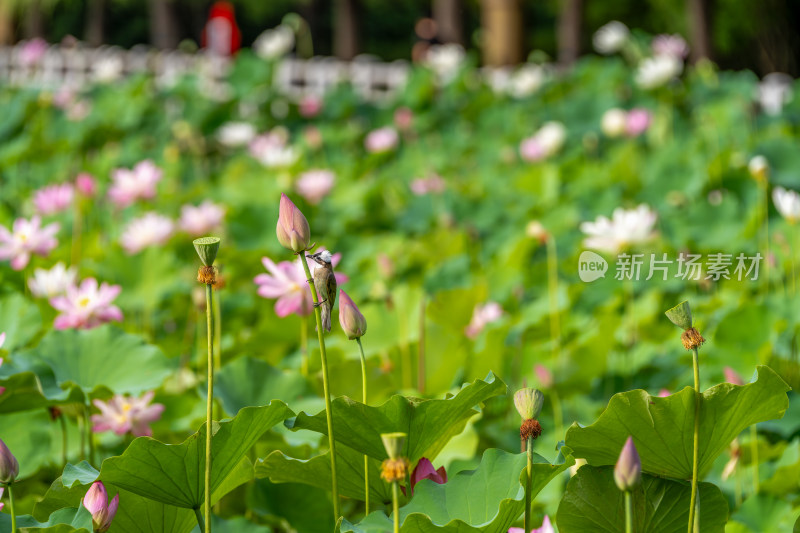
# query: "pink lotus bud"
310,106
350,318
292,230
663,393
731,376
96,502
9,467
86,184
628,470
425,470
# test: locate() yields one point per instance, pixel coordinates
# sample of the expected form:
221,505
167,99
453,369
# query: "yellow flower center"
83,302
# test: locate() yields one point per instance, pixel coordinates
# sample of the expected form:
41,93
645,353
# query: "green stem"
11,509
82,433
396,507
528,483
209,404
326,389
304,345
628,512
696,451
364,399
421,348
89,434
754,453
217,345
200,521
64,441
552,292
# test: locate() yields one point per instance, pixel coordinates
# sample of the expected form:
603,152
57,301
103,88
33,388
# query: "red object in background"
221,34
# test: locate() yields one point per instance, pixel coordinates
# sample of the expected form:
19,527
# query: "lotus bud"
393,442
529,403
292,230
628,470
9,467
350,318
96,502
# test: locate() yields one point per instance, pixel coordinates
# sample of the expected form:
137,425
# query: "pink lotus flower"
544,376
96,502
731,376
287,282
148,230
272,149
87,305
86,184
32,52
314,185
433,184
202,219
403,118
27,237
381,140
123,414
53,282
138,183
482,315
663,393
546,527
425,470
637,121
310,106
670,45
532,150
53,199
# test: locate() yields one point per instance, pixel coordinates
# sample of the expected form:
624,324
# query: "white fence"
75,67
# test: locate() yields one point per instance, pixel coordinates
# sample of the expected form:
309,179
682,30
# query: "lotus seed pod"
680,315
207,248
628,470
529,403
393,442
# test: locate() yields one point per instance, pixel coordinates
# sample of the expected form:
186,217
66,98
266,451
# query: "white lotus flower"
787,203
774,91
274,43
526,80
610,38
614,122
656,71
625,228
445,59
233,134
552,136
53,282
758,167
108,69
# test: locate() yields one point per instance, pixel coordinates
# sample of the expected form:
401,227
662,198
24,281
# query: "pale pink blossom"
670,45
53,198
310,106
403,118
544,376
433,184
483,315
26,237
663,393
127,414
202,219
314,185
64,97
272,149
87,305
546,527
731,376
531,149
547,141
53,282
134,184
381,140
31,52
637,121
626,227
287,283
86,184
151,229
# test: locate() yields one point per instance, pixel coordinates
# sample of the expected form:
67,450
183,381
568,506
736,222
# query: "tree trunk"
6,25
502,32
163,32
569,31
95,22
34,20
699,13
449,21
345,29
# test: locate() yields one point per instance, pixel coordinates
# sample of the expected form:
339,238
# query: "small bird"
325,283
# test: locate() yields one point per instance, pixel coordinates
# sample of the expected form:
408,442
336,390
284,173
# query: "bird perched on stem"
325,283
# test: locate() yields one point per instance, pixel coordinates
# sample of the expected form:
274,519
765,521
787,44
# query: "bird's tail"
326,317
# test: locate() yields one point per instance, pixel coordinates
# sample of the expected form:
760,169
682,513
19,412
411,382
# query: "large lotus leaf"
34,389
19,319
173,473
239,524
68,520
103,356
663,428
488,499
316,471
247,382
428,423
30,438
593,503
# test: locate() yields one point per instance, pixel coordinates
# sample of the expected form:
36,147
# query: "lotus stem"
552,292
304,345
528,484
11,508
396,506
628,512
326,388
89,435
696,451
364,399
421,348
754,453
209,403
64,438
200,521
